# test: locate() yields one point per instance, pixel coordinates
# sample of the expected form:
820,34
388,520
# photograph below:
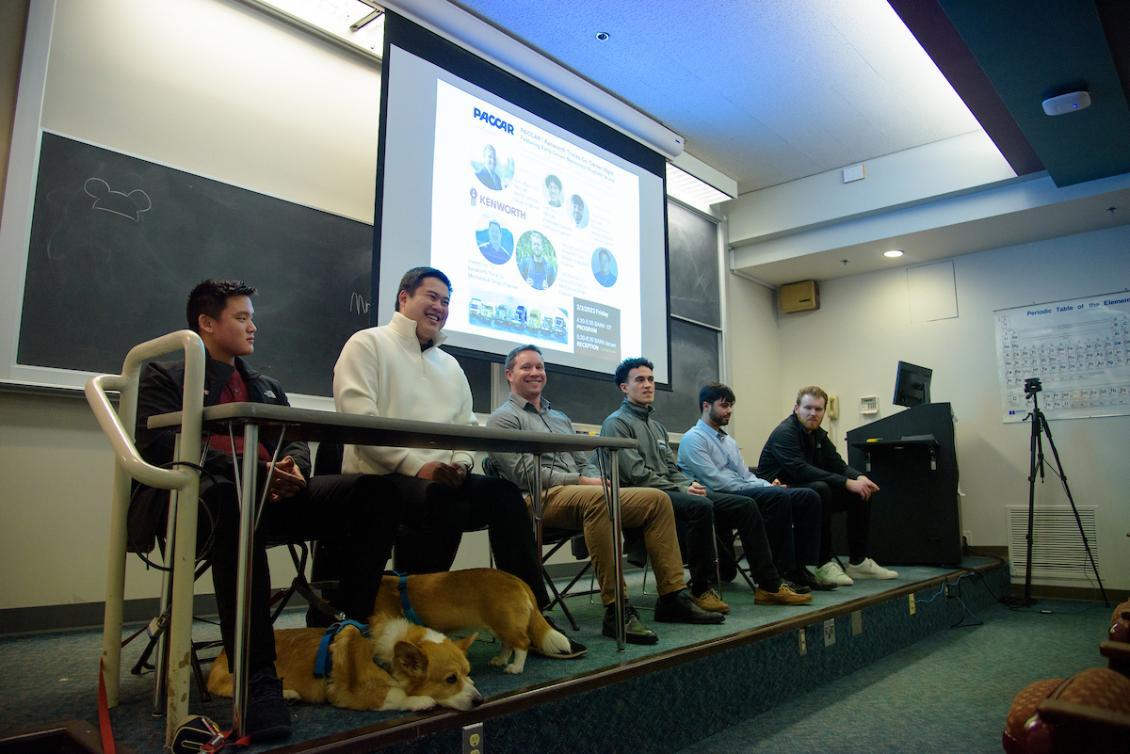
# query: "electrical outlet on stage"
829,632
802,643
911,604
857,623
473,739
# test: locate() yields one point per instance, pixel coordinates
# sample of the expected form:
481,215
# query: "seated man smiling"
574,499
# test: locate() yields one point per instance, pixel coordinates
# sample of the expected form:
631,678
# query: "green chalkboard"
117,242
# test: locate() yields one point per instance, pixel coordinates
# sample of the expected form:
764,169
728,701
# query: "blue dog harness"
323,662
405,605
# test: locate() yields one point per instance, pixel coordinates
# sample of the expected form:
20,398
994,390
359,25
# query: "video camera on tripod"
1040,430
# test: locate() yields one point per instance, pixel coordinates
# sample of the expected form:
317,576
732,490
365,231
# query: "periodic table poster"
1080,350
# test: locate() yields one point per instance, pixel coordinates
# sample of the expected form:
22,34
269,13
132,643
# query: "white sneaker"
831,574
869,569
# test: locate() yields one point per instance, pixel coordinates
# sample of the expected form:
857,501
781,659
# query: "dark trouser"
840,500
435,517
792,523
358,513
700,514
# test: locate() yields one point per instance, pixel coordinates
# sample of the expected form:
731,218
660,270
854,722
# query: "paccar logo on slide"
493,120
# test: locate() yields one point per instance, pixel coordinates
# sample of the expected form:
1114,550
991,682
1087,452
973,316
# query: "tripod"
1040,429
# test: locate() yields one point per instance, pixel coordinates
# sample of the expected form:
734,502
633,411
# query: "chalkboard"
693,265
694,362
117,243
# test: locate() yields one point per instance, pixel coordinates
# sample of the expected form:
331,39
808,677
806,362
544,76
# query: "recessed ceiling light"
602,36
893,253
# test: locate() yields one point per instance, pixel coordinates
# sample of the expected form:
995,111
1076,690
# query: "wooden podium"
915,517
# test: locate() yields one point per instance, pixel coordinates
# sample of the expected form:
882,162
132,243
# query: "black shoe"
576,648
680,607
268,717
806,578
635,632
798,588
318,618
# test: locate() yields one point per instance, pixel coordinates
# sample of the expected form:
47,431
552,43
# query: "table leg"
539,504
617,543
178,660
247,506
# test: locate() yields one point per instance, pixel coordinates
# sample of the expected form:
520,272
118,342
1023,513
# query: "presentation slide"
547,237
544,234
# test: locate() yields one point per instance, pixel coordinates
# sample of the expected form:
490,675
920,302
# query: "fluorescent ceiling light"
691,191
359,24
893,253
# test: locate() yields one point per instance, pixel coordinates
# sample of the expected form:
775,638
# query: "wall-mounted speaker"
803,296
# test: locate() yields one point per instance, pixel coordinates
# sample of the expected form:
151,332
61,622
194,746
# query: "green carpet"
947,693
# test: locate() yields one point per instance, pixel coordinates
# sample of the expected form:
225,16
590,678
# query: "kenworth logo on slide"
498,123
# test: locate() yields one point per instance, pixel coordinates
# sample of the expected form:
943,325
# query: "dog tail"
545,637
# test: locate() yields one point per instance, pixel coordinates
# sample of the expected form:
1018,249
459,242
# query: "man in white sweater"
398,371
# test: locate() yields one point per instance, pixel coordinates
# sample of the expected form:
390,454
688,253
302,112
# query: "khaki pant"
582,507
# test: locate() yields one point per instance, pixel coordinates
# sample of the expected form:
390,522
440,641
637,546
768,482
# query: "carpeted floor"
947,693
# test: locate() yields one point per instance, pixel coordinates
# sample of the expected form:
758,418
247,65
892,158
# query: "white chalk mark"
129,206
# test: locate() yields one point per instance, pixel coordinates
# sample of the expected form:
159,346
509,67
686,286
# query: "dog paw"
418,703
501,659
514,668
291,695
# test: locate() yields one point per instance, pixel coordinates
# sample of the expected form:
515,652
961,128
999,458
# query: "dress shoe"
711,601
805,578
783,596
798,588
635,632
680,607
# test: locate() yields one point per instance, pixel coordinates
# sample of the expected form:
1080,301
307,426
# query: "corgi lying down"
476,598
425,668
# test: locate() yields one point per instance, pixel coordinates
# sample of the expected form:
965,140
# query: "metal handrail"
119,427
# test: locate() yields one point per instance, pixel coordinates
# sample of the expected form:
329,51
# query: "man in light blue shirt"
791,514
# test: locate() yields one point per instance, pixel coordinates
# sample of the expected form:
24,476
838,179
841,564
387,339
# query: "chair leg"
558,600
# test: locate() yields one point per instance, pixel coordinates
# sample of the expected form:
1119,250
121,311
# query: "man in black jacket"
800,454
359,513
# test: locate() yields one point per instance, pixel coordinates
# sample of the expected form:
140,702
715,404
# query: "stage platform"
637,700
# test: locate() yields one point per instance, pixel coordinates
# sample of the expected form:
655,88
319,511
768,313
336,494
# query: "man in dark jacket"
800,454
359,513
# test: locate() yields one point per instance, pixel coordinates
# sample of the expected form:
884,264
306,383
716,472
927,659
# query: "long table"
310,425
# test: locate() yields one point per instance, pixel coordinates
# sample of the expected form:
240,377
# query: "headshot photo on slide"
580,210
604,267
553,193
495,242
490,171
537,260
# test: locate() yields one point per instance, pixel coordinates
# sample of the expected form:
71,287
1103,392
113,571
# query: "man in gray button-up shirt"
573,498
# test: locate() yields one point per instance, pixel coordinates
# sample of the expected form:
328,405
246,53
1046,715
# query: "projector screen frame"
463,63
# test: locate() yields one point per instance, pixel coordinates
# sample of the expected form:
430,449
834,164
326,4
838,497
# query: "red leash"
104,726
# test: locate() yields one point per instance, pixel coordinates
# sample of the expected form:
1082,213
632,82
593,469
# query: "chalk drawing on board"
128,205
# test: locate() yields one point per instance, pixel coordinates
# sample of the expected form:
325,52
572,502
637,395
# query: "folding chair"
554,539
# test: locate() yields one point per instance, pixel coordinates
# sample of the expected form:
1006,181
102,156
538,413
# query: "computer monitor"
912,385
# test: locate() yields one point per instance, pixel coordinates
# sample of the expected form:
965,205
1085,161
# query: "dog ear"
466,643
410,659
